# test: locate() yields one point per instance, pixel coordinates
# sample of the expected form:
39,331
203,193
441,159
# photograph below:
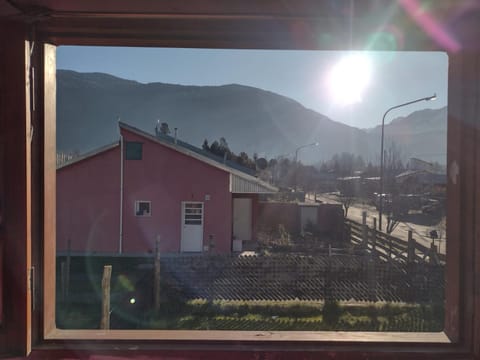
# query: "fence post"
411,268
63,280
364,229
328,281
433,254
156,278
67,274
411,248
107,274
389,248
372,282
373,235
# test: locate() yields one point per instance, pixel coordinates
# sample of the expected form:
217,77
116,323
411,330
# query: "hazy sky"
387,79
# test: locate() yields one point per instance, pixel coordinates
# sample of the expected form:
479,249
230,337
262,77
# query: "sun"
348,79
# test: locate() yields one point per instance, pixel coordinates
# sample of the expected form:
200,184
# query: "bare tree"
393,163
392,223
346,187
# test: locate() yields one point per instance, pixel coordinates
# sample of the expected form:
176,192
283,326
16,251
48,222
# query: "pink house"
124,196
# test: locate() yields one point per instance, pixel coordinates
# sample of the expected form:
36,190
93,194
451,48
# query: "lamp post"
296,159
380,211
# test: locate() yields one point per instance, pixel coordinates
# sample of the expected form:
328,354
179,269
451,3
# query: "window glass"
133,150
293,190
142,208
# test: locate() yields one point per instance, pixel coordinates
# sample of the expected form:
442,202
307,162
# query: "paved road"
420,232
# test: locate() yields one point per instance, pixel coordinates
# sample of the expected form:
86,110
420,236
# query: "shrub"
331,312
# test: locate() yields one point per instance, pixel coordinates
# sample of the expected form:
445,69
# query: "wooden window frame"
433,341
461,339
299,339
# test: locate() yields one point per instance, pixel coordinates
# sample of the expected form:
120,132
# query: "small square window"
143,208
133,150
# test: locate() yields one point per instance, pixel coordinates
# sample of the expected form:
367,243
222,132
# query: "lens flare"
349,78
430,25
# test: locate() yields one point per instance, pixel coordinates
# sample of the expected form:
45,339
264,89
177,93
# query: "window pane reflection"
254,205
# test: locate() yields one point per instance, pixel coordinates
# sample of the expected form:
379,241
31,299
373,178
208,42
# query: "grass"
274,316
266,316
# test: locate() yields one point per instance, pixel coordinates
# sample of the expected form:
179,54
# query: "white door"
192,227
242,219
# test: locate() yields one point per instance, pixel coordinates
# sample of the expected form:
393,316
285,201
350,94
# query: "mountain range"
89,106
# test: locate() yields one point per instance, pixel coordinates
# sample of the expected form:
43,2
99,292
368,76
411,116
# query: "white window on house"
193,213
133,150
143,208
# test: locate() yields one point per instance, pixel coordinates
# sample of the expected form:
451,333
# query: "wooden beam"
463,276
105,320
15,131
48,97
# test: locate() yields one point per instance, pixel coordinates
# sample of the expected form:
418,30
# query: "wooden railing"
390,247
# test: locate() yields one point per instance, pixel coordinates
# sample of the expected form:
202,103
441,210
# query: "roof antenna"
157,128
118,123
175,138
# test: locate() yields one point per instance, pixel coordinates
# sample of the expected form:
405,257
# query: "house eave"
89,154
247,185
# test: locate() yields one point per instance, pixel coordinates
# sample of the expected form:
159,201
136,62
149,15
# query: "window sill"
250,336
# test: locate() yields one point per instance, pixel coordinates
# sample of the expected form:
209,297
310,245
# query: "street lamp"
380,211
296,159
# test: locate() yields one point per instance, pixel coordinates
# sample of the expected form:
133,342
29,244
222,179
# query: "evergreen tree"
205,145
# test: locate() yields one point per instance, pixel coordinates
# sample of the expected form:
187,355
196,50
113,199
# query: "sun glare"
348,79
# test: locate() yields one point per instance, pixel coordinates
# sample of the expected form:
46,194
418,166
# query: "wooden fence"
379,267
390,247
280,277
275,277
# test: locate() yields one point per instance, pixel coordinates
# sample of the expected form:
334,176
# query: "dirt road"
420,232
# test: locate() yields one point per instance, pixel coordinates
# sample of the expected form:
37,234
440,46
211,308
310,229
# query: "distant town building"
418,164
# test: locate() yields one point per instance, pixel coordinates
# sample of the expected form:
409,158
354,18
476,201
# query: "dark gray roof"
240,181
208,154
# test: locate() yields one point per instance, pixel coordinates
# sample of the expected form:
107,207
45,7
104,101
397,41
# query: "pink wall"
88,194
166,178
88,200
